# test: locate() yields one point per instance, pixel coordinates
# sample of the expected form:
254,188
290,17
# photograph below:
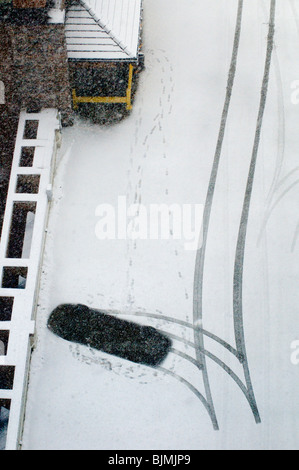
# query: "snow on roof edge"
107,29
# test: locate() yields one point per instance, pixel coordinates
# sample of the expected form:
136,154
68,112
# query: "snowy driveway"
163,154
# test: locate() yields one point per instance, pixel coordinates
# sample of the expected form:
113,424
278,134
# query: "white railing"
29,191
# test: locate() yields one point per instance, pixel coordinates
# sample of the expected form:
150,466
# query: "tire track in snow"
241,241
211,356
191,345
160,316
276,182
191,387
200,255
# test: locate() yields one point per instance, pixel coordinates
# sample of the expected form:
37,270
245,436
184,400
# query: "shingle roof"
103,29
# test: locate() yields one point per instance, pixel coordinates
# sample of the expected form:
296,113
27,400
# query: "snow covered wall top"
103,29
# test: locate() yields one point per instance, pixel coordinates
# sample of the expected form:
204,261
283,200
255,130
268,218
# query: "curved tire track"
157,316
241,241
200,255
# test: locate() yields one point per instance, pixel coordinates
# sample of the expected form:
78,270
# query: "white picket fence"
22,283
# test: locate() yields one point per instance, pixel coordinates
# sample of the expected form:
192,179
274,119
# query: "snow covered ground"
80,398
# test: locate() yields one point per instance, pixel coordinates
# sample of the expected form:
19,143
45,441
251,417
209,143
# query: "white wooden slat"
87,34
78,21
97,55
91,34
82,27
90,41
92,48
